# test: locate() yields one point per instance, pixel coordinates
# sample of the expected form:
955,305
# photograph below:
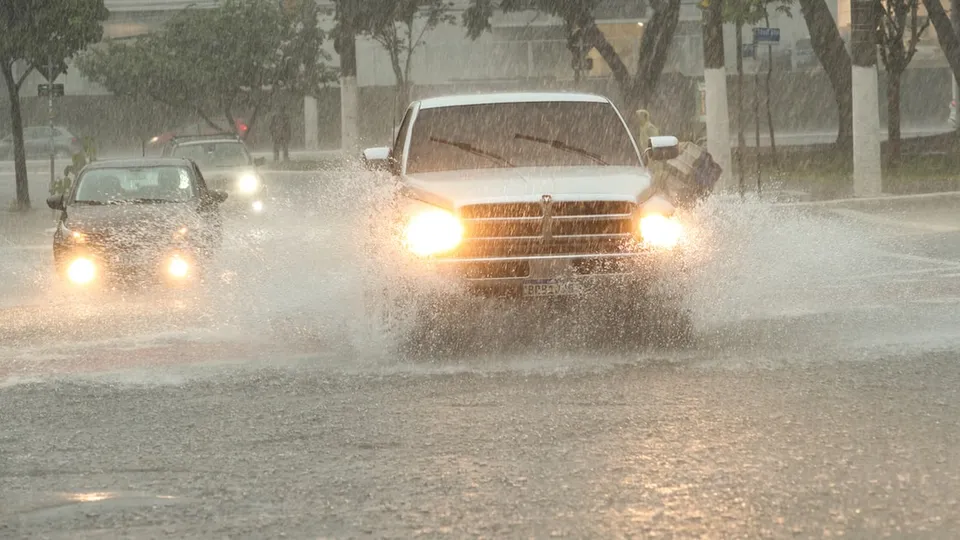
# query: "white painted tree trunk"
866,132
718,123
349,117
311,124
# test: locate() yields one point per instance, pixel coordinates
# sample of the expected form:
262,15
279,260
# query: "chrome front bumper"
508,275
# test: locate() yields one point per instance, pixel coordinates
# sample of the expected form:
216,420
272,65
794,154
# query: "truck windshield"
535,134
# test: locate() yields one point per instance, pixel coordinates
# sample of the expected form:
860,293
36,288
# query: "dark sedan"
141,218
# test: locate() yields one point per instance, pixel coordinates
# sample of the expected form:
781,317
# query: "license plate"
552,288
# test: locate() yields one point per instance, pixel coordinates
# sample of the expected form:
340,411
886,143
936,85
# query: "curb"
885,202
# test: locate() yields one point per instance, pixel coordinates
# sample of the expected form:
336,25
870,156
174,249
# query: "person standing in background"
280,131
645,129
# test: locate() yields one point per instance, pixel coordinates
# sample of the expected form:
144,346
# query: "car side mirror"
663,148
55,202
259,162
378,159
218,196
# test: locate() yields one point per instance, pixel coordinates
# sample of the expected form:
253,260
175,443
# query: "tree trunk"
833,57
768,98
16,121
893,118
947,38
741,139
654,49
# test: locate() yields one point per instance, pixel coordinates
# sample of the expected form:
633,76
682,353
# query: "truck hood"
453,189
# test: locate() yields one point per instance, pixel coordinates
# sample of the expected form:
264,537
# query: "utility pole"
53,150
349,91
955,103
867,180
715,83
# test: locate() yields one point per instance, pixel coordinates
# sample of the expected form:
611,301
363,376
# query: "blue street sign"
766,35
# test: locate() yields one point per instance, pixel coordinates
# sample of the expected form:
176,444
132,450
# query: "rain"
479,268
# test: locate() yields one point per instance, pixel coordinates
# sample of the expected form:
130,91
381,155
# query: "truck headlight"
81,271
178,267
432,232
248,183
660,231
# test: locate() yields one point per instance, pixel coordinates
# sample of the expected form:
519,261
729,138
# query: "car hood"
453,189
141,218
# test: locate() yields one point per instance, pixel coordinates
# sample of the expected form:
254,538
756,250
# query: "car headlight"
178,267
431,232
248,183
81,271
660,231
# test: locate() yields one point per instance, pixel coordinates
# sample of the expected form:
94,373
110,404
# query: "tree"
393,24
34,33
740,13
896,53
217,62
832,54
946,36
636,89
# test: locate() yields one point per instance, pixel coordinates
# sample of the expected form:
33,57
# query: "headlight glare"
178,267
81,271
660,231
248,183
432,232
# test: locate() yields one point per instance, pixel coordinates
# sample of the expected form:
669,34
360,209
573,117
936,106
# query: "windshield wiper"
560,145
467,147
135,201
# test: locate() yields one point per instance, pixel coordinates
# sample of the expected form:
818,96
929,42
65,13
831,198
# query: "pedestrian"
645,129
280,131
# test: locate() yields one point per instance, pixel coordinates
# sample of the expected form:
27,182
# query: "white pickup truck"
533,196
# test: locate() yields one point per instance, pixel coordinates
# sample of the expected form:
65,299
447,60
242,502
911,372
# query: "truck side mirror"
662,148
378,159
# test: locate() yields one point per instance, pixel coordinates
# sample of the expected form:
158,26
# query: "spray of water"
313,279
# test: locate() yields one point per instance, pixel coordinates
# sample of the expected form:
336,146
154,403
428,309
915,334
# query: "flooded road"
820,399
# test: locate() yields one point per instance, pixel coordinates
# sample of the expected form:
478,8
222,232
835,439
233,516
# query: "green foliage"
399,26
579,19
219,61
35,31
476,18
40,32
753,12
78,161
896,47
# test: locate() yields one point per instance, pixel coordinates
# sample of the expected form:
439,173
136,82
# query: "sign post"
770,36
49,91
702,101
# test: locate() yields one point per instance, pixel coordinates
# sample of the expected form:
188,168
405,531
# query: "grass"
826,172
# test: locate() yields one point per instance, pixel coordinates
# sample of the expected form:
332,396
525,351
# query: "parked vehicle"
37,143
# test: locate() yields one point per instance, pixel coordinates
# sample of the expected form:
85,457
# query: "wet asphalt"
820,400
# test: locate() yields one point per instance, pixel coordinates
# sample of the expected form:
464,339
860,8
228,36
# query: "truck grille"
550,228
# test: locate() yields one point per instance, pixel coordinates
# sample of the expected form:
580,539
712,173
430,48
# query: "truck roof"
508,97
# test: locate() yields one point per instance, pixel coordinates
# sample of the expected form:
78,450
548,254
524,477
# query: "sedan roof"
138,162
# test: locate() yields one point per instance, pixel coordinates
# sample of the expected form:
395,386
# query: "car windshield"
538,134
135,184
216,154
